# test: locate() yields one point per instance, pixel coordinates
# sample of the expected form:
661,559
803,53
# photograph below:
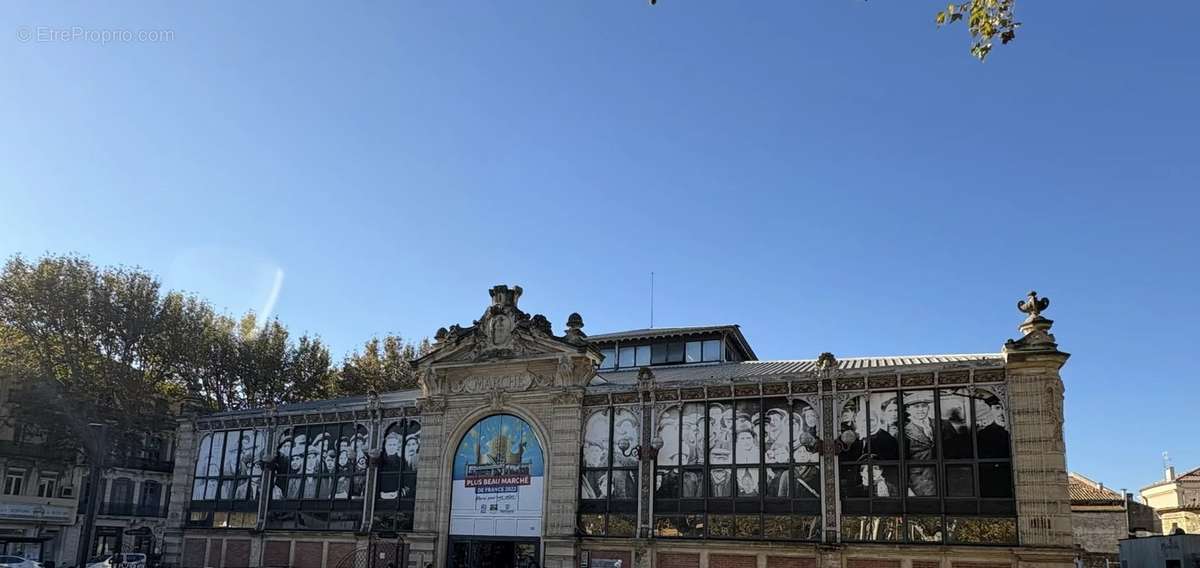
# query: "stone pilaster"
186,438
566,416
1036,411
431,470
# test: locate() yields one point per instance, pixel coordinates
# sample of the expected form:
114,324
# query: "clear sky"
833,176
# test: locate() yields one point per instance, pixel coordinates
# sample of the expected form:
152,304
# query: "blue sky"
834,176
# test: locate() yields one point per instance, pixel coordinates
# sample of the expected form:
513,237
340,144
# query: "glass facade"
926,465
608,485
912,466
743,468
662,353
228,477
397,485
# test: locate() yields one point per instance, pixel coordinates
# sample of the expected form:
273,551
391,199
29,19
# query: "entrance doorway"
477,552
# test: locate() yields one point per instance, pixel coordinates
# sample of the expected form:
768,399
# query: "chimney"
1170,473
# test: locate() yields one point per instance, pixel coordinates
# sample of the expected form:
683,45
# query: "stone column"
1039,454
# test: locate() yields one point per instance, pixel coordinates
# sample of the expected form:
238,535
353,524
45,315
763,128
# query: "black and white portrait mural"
720,433
729,468
955,424
596,438
321,462
938,450
611,437
229,465
852,417
692,426
399,460
991,423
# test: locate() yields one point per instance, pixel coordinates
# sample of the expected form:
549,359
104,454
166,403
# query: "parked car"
18,562
119,560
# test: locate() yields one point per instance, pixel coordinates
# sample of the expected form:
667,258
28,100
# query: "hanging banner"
498,480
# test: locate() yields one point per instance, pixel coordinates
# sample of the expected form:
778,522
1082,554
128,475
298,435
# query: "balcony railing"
132,510
9,448
142,463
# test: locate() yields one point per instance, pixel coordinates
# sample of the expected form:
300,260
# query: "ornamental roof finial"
1033,306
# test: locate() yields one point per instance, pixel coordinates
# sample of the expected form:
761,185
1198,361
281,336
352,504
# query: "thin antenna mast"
652,300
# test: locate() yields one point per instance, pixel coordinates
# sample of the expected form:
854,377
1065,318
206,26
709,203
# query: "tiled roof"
1193,475
755,369
344,403
1088,493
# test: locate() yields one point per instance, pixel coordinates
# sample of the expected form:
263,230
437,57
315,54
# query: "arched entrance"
496,496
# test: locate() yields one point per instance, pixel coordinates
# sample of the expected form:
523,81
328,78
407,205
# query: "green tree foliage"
82,348
987,20
382,366
82,344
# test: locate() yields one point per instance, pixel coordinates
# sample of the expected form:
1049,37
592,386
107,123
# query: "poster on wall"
498,480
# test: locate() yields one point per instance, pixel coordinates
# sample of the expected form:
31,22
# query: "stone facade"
510,363
1176,501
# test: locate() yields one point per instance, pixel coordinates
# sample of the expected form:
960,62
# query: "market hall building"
669,447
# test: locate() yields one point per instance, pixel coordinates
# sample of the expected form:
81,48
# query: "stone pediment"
503,335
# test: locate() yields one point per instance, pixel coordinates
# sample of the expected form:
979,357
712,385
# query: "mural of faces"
626,438
668,430
596,438
883,442
955,424
412,447
804,432
920,435
991,423
228,464
852,417
720,433
320,461
692,441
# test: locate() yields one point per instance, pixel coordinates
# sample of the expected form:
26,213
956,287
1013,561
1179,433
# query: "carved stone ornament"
1035,328
568,397
427,380
1033,306
574,333
645,379
431,405
497,399
510,383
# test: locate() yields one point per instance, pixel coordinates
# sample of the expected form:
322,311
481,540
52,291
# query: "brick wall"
786,562
982,565
193,553
277,553
337,551
926,564
677,560
732,561
871,563
308,554
214,552
237,553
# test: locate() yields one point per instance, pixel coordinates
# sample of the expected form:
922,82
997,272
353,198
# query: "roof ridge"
873,357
